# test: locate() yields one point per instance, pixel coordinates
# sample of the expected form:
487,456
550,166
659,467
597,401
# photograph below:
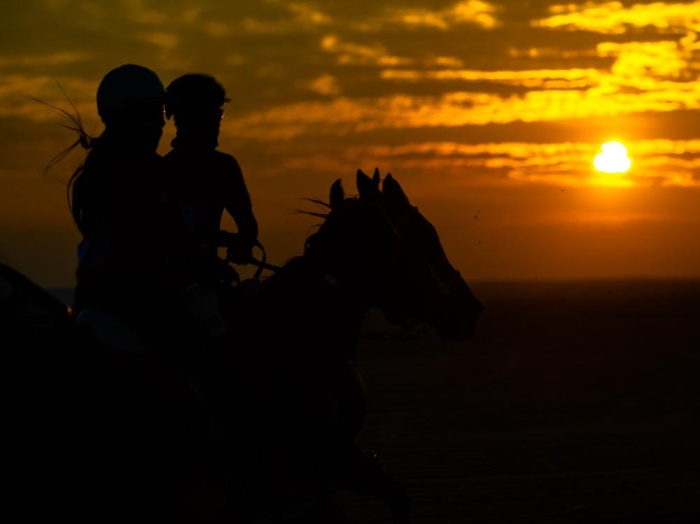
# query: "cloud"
349,53
655,163
450,62
58,58
326,85
616,18
140,14
345,115
537,78
17,93
166,40
473,12
296,17
551,163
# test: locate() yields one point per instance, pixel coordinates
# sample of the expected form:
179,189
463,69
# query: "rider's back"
204,182
135,257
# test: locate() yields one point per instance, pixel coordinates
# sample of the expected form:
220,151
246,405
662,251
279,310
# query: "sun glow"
612,158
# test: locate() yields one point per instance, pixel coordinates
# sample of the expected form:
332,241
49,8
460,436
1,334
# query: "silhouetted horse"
294,361
126,438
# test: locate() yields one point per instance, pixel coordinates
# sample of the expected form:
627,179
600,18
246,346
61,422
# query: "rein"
261,264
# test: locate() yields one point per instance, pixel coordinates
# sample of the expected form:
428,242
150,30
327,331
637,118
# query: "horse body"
294,356
301,380
286,391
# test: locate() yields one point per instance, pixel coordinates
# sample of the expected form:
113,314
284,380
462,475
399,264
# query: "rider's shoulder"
225,163
224,157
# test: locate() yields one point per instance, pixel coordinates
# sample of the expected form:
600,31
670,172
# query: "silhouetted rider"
201,179
137,258
149,436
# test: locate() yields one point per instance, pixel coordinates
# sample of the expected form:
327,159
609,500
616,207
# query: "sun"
612,158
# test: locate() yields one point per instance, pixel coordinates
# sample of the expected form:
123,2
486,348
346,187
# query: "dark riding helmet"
194,92
126,87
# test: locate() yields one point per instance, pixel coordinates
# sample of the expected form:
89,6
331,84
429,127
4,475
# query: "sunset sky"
489,113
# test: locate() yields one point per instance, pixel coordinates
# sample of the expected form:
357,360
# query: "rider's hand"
239,253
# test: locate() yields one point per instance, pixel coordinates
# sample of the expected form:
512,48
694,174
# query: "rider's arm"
238,203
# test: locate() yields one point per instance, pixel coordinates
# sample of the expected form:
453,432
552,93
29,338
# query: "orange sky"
488,113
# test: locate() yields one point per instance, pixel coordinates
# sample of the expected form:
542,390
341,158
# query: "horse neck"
325,308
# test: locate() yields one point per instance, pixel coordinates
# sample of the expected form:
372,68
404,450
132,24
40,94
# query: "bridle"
446,286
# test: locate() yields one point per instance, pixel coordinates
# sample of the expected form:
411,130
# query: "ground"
575,403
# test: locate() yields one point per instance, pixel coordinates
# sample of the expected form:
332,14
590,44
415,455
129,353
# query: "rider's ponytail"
84,140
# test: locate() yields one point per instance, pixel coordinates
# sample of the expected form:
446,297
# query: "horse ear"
337,193
375,177
393,190
365,185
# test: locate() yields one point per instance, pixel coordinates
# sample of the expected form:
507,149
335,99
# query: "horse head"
396,257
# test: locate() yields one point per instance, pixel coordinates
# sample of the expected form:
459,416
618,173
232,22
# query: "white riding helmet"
125,87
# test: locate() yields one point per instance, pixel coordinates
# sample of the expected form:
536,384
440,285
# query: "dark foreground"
575,403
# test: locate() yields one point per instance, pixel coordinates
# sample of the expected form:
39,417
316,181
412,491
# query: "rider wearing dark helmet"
201,179
145,437
136,257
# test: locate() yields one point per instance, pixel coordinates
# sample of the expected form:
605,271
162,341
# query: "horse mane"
334,214
319,235
297,265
